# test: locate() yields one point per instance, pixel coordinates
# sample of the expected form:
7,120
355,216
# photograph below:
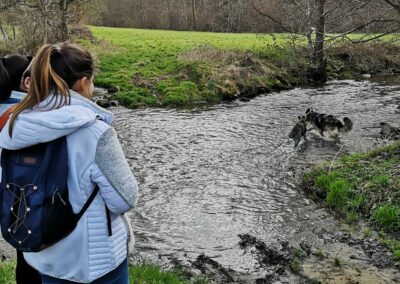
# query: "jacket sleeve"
113,175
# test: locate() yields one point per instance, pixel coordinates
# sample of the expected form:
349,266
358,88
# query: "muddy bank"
339,258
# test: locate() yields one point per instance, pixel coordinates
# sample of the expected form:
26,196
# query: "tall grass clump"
361,185
387,216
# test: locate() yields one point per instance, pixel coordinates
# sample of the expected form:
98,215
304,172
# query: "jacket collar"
102,113
77,99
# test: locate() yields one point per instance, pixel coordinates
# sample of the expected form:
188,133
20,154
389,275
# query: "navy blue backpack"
35,208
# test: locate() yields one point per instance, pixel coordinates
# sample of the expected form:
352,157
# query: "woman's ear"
83,87
25,84
79,84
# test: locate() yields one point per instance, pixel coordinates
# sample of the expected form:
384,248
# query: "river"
208,175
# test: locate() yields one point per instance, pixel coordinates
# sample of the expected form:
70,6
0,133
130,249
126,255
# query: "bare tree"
42,21
241,16
311,18
319,41
194,17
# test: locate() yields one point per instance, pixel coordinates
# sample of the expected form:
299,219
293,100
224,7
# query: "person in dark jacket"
13,88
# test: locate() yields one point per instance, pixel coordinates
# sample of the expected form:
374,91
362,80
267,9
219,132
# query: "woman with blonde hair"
58,105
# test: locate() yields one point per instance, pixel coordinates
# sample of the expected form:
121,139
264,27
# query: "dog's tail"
347,125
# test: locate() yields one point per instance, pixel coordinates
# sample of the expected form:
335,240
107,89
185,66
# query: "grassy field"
143,274
159,68
174,69
363,186
169,68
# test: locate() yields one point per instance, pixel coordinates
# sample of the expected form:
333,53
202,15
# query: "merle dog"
323,122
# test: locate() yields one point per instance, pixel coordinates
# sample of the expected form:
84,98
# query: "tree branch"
395,5
271,18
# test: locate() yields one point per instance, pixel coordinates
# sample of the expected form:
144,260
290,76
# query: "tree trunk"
4,33
169,14
194,20
64,34
45,35
185,10
320,74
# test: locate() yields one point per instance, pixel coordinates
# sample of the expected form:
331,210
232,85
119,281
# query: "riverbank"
152,68
362,187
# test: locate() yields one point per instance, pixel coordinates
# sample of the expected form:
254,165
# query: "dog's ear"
308,110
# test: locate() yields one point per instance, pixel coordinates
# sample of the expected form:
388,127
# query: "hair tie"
57,47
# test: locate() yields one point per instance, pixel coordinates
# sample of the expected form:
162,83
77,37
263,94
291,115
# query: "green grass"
142,274
362,186
158,68
151,274
170,68
7,272
337,261
295,265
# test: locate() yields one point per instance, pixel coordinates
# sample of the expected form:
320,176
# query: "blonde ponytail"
54,70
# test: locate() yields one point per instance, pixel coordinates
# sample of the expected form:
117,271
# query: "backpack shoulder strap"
5,116
88,202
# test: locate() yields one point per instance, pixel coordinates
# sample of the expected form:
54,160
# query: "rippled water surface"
208,175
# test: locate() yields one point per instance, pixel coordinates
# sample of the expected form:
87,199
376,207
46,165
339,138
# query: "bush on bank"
362,186
184,69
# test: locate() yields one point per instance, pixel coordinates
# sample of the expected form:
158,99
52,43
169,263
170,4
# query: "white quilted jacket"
95,157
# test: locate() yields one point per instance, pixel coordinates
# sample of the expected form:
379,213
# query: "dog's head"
310,114
309,110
